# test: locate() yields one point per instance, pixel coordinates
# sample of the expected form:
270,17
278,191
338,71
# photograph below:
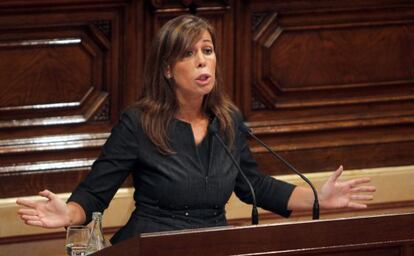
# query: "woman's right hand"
53,213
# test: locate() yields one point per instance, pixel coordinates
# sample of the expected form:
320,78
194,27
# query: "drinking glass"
77,238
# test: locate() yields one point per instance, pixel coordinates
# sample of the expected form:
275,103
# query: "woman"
182,176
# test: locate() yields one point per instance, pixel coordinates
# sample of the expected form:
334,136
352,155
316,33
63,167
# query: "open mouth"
203,77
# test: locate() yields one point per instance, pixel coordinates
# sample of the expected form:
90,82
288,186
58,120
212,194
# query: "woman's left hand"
341,194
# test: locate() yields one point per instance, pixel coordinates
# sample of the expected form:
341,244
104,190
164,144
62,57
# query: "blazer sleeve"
118,157
271,194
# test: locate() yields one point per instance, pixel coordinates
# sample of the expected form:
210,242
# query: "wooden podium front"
385,235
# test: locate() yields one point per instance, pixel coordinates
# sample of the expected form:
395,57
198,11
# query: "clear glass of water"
77,238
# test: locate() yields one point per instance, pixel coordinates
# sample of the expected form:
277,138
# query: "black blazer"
174,191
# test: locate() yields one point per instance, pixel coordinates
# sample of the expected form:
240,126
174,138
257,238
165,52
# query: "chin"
207,89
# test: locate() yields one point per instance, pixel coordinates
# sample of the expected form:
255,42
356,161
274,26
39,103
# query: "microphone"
315,210
255,214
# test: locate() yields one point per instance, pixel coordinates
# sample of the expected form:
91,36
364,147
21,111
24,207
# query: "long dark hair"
158,102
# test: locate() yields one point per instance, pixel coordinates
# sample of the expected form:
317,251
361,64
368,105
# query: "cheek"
181,69
181,74
213,67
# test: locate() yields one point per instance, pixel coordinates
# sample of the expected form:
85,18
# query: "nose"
201,59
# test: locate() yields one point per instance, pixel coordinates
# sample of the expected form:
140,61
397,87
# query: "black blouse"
203,150
184,190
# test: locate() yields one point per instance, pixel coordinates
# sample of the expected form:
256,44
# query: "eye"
188,53
208,50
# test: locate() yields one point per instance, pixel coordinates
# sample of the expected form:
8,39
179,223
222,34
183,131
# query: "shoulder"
133,112
130,117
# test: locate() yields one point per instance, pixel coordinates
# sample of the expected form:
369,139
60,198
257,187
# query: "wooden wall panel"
323,82
329,81
68,65
63,85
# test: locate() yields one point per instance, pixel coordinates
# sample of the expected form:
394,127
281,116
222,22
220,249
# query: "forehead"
204,36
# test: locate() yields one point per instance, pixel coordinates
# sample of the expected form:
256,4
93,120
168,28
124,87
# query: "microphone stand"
315,209
255,213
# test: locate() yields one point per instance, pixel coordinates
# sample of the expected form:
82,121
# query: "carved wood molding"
49,143
63,76
192,6
37,161
15,5
46,166
70,65
331,81
298,65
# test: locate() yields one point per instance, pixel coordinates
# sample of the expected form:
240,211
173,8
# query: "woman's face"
195,74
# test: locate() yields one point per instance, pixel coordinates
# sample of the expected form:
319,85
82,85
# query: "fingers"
357,205
33,220
33,204
26,202
30,217
336,174
48,194
364,189
26,211
362,197
37,223
356,182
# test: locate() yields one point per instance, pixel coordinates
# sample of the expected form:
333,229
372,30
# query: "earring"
168,75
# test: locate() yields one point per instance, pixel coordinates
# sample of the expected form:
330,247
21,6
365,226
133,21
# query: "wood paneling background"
66,73
323,82
328,82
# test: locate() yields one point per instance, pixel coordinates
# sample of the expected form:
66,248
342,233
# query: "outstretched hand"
52,213
341,194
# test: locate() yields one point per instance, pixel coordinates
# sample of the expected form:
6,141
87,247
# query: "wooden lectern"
385,235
